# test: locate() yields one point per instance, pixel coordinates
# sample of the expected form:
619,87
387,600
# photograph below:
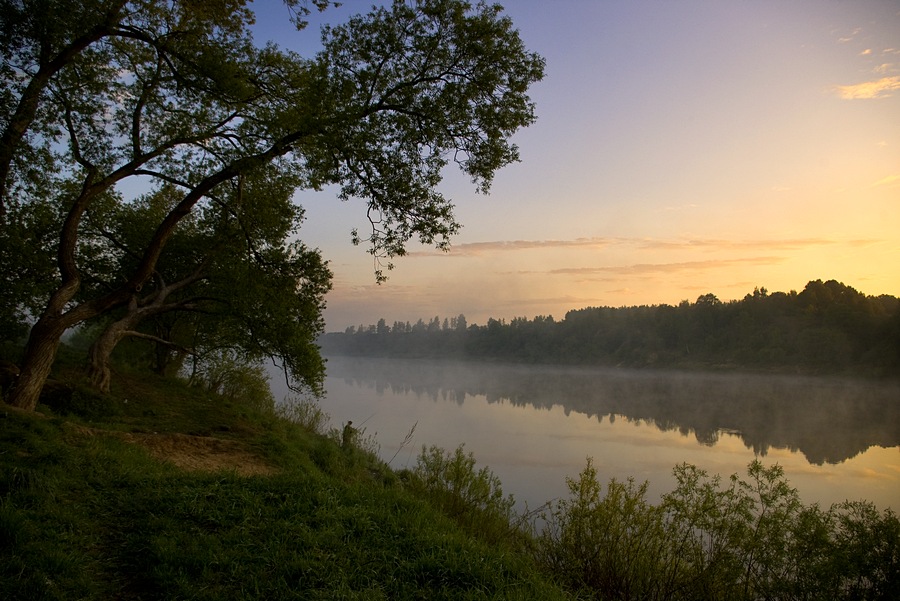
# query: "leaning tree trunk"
101,350
46,334
37,362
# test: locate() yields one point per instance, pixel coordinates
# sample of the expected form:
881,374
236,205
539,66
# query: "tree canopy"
108,102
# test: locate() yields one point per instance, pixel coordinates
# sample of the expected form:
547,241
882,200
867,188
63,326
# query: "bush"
866,551
235,378
473,498
304,412
611,545
744,539
68,399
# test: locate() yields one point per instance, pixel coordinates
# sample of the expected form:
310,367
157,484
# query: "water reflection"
828,420
534,426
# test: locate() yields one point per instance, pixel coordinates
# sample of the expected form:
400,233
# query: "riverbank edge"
160,490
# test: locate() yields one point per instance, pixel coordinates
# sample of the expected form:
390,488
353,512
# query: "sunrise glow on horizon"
681,149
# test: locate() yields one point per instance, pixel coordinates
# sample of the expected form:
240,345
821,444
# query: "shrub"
611,544
77,399
866,551
305,412
472,497
235,378
746,539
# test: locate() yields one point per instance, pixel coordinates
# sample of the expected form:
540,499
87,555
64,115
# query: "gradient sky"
681,148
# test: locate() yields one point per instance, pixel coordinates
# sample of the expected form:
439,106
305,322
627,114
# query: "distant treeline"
827,328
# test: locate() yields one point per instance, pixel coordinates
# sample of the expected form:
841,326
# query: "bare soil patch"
196,453
203,453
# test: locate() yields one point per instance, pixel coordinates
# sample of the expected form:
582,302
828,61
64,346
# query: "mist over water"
836,438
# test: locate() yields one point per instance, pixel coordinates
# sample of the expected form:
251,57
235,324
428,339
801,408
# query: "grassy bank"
161,491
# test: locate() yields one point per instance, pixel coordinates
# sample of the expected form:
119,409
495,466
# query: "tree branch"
158,340
26,109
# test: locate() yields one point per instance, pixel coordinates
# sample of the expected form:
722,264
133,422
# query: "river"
533,426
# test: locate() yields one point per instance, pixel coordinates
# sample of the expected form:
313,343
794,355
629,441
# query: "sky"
681,148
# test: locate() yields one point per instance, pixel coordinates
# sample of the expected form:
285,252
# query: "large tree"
230,278
99,94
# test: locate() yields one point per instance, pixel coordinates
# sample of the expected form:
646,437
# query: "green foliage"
865,551
747,539
828,328
87,514
226,374
303,411
28,271
459,75
79,400
149,153
610,545
472,497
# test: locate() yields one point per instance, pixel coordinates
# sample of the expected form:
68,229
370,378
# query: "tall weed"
235,378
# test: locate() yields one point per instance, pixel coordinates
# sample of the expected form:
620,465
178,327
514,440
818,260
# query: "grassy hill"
162,491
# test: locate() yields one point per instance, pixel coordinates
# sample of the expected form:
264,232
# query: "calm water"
533,426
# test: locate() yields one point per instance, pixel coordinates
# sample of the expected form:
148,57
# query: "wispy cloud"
472,249
681,207
880,88
655,268
890,181
480,248
566,301
718,245
850,36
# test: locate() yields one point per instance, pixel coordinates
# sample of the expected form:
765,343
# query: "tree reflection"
828,420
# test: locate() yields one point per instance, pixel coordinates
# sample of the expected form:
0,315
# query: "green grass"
86,513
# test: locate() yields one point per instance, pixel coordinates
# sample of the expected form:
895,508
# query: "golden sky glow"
681,148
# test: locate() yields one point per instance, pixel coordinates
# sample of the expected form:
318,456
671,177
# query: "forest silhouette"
827,328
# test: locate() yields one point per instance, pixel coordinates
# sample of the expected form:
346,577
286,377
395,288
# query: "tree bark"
37,362
102,348
100,351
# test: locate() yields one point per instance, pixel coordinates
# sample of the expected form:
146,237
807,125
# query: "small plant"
406,440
